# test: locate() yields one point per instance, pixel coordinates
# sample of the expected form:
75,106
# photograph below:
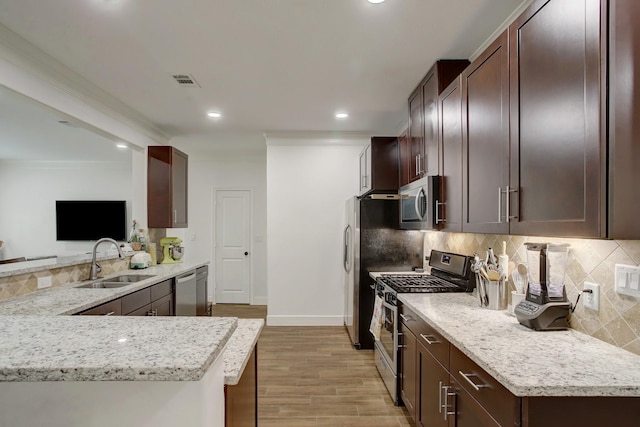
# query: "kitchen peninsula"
61,370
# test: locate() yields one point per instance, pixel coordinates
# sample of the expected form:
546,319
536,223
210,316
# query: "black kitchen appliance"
373,242
449,273
540,310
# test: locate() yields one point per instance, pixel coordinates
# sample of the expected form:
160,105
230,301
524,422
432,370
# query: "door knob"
246,253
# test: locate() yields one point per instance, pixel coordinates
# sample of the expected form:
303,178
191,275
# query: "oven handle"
389,306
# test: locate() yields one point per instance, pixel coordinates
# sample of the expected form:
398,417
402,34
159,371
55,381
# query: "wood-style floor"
312,376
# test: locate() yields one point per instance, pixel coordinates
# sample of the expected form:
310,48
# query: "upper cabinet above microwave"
421,152
167,188
379,166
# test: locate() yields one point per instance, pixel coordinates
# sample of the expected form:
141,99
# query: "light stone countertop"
99,348
239,349
528,362
51,262
67,299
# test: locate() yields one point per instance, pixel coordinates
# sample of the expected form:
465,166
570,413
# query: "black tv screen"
89,220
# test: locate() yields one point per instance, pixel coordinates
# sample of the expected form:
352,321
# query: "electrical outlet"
627,280
44,282
591,299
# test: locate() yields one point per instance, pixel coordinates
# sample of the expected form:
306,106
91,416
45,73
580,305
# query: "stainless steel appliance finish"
202,276
449,273
372,242
418,204
186,294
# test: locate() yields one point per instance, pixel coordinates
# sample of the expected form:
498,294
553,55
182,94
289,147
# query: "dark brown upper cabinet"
167,187
624,117
404,158
485,136
379,166
449,202
424,156
557,117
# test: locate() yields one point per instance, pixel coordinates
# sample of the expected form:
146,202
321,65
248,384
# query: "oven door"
389,335
418,202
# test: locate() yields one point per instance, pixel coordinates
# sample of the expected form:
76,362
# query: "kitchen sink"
115,282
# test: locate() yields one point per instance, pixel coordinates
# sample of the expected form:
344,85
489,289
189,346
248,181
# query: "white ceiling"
267,65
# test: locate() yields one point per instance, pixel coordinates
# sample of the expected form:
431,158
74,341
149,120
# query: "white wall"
307,187
231,170
28,194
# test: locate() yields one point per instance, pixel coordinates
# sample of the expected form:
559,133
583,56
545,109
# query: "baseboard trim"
259,301
291,320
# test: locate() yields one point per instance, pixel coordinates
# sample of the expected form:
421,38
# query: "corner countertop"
528,362
239,349
99,348
68,299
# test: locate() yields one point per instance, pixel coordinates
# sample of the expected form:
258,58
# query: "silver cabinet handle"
111,313
446,404
406,318
499,204
438,219
429,341
476,387
440,397
175,216
508,191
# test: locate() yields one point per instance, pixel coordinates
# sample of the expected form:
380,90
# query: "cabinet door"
485,169
365,170
449,204
408,370
624,116
557,123
111,308
429,164
167,187
434,379
416,134
146,310
163,306
404,158
180,189
468,412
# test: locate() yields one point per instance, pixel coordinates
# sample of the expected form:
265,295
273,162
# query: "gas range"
414,283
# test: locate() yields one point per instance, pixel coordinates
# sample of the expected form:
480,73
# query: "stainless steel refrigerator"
373,242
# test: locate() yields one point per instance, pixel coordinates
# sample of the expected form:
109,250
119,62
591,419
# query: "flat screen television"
90,220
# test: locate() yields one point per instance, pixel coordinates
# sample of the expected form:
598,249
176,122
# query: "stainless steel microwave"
418,204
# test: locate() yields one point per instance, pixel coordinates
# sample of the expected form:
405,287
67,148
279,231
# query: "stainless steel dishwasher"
186,294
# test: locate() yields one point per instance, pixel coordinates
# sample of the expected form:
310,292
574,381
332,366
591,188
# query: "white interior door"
233,246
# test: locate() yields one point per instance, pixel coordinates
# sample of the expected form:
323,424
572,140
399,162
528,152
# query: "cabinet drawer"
107,309
497,400
136,300
145,310
161,289
426,335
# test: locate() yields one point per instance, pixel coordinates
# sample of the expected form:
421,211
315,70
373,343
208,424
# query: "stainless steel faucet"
95,268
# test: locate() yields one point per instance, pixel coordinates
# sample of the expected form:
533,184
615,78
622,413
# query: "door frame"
214,220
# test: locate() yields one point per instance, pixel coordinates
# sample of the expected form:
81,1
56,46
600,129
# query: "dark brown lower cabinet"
408,373
155,300
453,391
241,400
433,380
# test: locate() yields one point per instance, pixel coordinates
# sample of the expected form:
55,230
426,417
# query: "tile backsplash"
618,320
22,284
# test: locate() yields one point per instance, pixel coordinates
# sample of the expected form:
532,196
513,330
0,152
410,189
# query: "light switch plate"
592,299
627,280
44,282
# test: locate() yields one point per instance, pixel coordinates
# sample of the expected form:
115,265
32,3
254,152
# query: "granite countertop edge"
515,355
239,349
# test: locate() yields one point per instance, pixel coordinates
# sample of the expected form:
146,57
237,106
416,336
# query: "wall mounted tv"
90,220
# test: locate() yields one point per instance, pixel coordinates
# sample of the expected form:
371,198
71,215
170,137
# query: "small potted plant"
134,238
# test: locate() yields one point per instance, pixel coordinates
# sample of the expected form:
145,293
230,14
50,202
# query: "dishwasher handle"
185,278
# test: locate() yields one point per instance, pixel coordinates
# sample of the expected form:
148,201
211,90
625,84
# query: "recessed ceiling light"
341,115
214,114
122,146
375,1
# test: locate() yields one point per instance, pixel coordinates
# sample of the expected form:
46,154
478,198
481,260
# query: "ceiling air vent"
185,80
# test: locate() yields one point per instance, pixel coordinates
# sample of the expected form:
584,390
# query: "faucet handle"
98,268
